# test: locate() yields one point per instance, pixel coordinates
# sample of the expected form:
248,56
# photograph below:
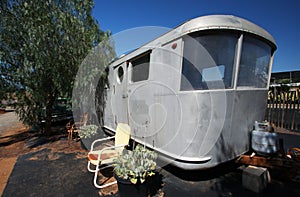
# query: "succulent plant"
135,165
87,131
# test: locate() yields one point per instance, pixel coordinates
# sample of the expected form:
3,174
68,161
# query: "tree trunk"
49,107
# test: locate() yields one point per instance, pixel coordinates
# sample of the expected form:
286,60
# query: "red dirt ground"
13,138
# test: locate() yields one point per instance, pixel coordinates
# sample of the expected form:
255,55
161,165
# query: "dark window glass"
120,74
208,61
140,68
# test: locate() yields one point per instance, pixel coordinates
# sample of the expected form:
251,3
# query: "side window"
140,68
254,64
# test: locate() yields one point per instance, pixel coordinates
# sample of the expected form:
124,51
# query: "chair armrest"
101,140
109,148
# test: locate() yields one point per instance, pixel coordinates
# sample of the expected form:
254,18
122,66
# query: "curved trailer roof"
210,22
225,22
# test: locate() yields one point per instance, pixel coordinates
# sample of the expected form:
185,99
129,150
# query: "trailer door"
140,96
120,96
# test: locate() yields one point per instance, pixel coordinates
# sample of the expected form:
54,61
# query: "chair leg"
106,185
96,178
89,167
101,186
69,133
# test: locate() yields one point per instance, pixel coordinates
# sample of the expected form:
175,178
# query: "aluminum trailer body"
194,93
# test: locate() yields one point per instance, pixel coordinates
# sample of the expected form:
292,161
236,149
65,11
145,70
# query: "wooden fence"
284,109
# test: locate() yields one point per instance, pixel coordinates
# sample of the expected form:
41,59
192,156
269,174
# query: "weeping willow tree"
42,45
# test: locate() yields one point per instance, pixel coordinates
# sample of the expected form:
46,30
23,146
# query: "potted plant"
86,133
132,170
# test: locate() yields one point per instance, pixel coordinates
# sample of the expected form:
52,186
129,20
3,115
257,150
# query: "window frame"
232,70
131,66
258,41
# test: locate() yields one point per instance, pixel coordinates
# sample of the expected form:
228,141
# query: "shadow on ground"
223,180
51,173
62,171
47,173
11,139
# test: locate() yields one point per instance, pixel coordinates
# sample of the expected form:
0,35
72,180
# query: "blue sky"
279,17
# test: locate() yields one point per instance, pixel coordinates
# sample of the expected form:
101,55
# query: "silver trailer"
194,93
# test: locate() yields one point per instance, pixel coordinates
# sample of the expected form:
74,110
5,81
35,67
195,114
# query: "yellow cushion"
122,135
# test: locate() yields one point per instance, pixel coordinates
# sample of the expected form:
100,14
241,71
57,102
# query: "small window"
140,68
254,64
120,74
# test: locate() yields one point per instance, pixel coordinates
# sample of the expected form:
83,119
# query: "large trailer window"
254,63
208,61
140,68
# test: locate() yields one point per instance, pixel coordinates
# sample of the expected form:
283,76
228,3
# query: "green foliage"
285,81
136,165
42,44
282,96
87,131
91,74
